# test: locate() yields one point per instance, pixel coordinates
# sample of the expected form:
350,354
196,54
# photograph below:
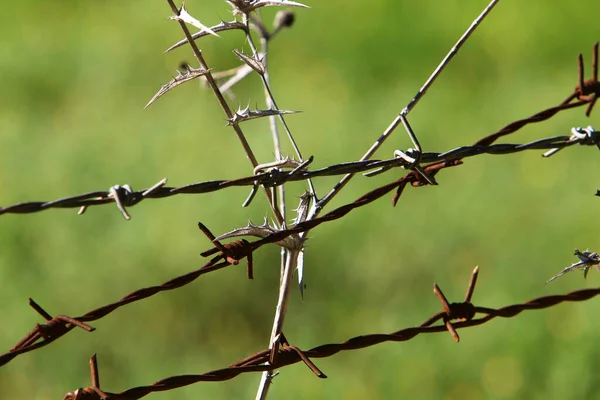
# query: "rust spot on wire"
462,311
589,90
48,332
232,252
93,392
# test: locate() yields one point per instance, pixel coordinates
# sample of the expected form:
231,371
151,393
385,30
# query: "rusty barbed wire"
416,179
234,252
56,327
230,254
464,312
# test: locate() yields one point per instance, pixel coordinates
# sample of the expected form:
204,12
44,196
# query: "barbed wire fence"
423,168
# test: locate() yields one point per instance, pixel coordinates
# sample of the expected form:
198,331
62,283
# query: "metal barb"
589,90
93,392
268,179
440,295
587,259
124,196
307,361
584,136
232,252
462,311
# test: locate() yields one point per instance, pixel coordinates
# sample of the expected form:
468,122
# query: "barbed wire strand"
125,197
464,312
54,328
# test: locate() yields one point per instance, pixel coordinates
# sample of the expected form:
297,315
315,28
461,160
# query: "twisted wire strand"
278,177
289,355
58,327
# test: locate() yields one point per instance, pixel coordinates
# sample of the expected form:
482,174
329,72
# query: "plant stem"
284,295
453,51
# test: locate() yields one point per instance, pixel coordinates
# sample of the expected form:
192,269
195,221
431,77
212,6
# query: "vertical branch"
264,41
282,302
289,258
271,103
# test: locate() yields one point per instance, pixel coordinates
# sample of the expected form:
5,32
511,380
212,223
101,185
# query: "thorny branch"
217,92
465,313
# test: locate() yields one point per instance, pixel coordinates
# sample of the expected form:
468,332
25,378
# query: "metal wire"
230,254
465,312
124,197
56,327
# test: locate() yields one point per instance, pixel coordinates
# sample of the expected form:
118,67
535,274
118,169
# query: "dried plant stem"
213,85
219,95
278,155
453,51
272,121
284,253
284,294
289,258
271,103
277,147
318,206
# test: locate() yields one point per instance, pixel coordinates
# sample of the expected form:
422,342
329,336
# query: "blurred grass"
74,78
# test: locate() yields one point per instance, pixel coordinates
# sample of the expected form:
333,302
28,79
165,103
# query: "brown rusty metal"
588,90
453,317
465,313
232,252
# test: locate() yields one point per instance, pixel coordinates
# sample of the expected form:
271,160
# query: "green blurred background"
74,77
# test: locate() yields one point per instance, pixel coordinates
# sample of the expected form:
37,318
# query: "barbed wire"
234,252
283,353
56,327
464,312
125,197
